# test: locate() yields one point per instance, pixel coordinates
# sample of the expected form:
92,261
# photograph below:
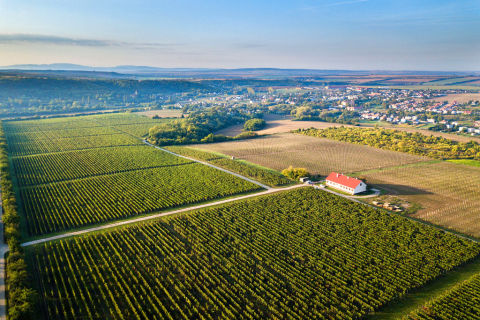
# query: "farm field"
300,254
447,192
129,123
70,204
89,178
462,302
318,156
258,173
280,126
44,168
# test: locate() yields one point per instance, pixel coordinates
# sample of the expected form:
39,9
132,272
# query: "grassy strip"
21,297
467,162
264,175
433,291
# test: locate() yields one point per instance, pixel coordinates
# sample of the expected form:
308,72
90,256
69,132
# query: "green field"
44,168
256,172
65,205
80,171
462,302
299,254
129,123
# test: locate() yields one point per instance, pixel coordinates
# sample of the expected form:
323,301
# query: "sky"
442,35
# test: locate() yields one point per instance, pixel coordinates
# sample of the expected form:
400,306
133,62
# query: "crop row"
33,136
65,205
300,254
48,124
463,302
258,173
318,156
51,167
66,144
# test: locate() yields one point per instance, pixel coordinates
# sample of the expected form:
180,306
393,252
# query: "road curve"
155,216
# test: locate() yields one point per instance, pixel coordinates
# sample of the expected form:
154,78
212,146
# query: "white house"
345,183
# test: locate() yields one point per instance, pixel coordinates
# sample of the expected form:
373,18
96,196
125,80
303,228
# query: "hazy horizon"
326,35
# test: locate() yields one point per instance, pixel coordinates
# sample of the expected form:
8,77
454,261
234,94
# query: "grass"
467,162
419,297
318,156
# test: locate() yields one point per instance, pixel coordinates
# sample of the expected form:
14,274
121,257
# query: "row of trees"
410,142
21,297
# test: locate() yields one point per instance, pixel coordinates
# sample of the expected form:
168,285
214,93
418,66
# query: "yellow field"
449,193
319,156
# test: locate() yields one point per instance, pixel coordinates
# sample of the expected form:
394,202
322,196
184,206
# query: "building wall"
360,188
339,187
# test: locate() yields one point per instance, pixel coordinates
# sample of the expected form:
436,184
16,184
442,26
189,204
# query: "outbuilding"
345,183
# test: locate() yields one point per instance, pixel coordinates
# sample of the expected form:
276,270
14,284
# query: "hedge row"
21,298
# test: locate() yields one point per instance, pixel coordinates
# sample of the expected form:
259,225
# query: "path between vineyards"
157,215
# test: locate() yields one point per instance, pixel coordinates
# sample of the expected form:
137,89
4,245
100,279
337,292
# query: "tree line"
395,140
21,297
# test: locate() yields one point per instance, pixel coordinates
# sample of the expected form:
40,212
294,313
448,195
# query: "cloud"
68,41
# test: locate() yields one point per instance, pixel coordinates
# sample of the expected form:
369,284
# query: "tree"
295,173
254,124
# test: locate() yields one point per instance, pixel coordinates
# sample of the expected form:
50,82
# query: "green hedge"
21,298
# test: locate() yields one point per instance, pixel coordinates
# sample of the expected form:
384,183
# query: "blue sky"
322,34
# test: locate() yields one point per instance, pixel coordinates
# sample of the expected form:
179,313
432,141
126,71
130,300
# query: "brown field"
161,113
319,156
448,193
280,126
460,97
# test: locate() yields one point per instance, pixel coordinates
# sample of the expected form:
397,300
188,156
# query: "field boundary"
155,216
210,165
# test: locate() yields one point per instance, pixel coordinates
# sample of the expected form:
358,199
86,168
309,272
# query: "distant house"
345,183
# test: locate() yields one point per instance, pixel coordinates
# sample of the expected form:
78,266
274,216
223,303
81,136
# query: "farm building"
345,183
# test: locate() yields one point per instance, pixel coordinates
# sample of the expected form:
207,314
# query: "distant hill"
148,71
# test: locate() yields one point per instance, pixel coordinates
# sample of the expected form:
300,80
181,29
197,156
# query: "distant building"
346,183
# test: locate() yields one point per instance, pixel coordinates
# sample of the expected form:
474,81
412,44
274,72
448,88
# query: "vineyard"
79,171
319,156
129,123
300,254
44,168
447,192
258,173
462,302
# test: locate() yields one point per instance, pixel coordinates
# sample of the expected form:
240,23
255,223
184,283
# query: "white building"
345,183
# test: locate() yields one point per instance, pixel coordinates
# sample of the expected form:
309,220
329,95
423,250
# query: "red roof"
344,180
